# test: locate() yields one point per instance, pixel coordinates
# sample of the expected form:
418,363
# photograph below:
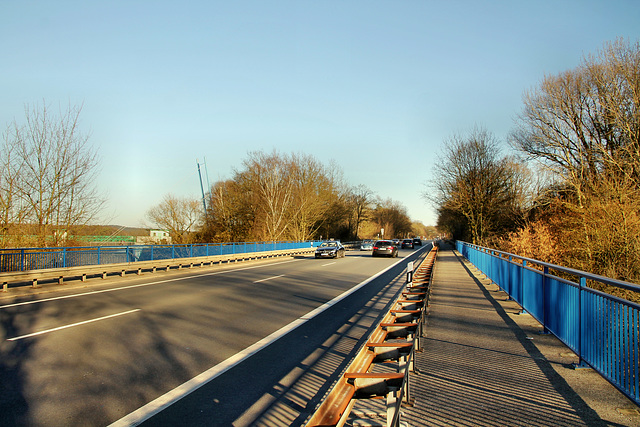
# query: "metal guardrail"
83,271
381,368
603,330
24,259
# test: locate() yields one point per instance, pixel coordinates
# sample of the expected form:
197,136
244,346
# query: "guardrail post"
410,273
64,257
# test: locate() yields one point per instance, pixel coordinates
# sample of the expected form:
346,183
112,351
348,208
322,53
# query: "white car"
366,246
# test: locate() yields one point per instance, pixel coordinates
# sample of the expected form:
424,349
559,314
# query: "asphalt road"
95,353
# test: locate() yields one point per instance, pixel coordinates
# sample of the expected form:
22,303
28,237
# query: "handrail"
602,329
395,338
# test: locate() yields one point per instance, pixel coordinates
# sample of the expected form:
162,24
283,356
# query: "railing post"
64,257
521,302
581,364
22,260
545,320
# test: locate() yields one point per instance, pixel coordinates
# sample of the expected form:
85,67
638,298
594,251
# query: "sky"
375,87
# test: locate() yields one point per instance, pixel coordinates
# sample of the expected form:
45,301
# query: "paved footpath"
484,364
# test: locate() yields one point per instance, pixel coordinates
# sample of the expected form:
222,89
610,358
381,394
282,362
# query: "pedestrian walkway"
485,364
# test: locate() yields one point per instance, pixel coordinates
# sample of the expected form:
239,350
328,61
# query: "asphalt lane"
104,350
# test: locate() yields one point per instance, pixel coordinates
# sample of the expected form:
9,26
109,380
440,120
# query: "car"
407,243
330,250
384,248
366,246
417,241
397,242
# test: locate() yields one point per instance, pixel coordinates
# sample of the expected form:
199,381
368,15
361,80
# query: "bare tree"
584,126
180,216
313,195
267,177
57,169
12,211
230,213
475,181
360,199
276,196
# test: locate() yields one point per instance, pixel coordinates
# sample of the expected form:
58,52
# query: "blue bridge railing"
603,330
23,259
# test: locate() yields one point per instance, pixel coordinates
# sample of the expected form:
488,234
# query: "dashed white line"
72,325
268,278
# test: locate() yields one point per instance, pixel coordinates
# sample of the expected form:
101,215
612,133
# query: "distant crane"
204,202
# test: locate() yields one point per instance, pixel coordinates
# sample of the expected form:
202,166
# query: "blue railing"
23,259
603,330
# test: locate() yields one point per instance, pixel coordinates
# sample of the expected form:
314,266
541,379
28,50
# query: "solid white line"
268,278
72,325
150,409
141,285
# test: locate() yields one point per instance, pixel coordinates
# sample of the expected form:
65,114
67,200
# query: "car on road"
417,241
330,250
384,248
407,243
366,246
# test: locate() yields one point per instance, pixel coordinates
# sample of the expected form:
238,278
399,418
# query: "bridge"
262,342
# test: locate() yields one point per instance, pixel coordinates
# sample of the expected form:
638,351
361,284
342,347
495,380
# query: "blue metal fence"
603,330
23,259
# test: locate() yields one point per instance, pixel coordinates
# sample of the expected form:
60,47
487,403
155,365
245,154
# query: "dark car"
417,241
407,243
384,248
330,250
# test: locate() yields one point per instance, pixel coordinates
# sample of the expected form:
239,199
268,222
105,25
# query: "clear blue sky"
363,82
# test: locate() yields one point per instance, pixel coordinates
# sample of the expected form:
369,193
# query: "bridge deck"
485,364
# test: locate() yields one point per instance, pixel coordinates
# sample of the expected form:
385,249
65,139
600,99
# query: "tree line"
568,190
277,196
48,170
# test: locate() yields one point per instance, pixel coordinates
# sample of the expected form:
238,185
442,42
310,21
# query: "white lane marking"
140,285
72,325
268,278
150,409
331,263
